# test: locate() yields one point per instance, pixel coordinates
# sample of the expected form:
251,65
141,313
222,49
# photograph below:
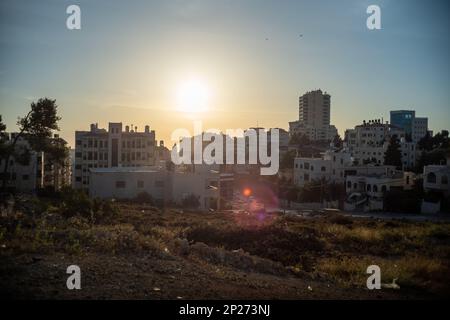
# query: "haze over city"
165,63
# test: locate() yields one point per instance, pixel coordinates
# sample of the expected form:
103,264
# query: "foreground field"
147,253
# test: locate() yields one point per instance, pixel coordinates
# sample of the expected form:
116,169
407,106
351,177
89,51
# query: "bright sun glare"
193,96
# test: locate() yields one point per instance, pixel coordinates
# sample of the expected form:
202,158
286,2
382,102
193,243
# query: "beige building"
34,170
314,117
115,147
369,141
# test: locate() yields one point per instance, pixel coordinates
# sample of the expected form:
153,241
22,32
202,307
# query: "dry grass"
336,247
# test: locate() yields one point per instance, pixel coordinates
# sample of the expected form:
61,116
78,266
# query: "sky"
253,58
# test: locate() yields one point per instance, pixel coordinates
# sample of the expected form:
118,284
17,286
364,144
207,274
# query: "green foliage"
144,197
393,155
191,201
321,190
37,128
287,161
77,202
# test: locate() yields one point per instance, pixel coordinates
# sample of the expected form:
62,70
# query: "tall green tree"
393,154
2,140
37,128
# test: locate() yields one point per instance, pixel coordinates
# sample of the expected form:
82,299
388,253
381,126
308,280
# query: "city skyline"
248,71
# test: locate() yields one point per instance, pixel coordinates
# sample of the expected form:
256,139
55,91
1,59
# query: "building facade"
115,147
214,190
330,167
314,117
415,127
33,170
365,192
369,141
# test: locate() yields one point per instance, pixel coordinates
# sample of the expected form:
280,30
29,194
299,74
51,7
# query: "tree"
393,155
300,139
191,201
37,128
287,161
2,140
337,141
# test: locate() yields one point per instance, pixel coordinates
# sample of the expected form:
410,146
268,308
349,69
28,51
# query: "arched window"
383,188
355,186
431,178
375,188
312,168
349,184
369,187
444,180
323,169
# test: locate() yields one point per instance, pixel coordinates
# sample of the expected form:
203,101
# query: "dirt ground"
148,253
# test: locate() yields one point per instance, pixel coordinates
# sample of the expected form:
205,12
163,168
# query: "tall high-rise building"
99,148
314,108
415,128
314,117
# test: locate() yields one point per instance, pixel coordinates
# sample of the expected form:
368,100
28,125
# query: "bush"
144,198
77,202
192,201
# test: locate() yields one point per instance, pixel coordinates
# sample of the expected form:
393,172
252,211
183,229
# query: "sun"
193,96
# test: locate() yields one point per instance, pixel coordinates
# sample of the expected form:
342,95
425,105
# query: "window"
306,165
25,177
375,188
444,180
369,187
383,188
349,184
120,184
306,177
159,184
78,142
78,179
78,154
78,166
323,169
431,178
140,184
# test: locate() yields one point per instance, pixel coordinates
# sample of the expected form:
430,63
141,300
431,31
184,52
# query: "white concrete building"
366,191
34,170
213,189
27,175
368,143
331,167
314,117
99,148
436,178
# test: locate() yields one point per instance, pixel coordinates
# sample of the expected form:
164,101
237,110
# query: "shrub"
144,197
192,201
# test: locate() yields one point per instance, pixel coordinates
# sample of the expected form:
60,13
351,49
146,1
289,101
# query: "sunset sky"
132,61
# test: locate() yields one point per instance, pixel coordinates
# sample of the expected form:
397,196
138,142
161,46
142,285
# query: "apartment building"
365,192
25,174
415,127
115,147
330,167
314,117
369,141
